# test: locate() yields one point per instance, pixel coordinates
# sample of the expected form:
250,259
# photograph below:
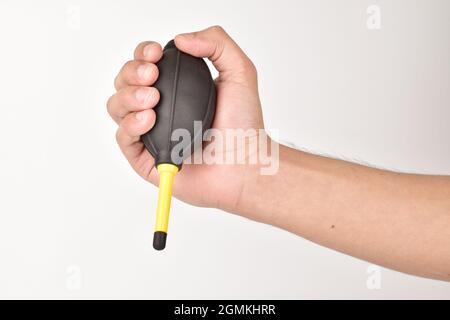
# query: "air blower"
187,95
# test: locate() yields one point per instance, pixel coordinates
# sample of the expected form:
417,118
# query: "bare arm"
401,221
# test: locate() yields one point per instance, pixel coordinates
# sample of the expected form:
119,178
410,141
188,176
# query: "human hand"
238,107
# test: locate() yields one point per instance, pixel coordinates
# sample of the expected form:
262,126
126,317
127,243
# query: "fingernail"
142,95
148,49
141,115
144,71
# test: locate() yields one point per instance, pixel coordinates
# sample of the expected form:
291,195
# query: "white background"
77,222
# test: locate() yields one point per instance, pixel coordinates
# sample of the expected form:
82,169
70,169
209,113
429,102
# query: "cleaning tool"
187,103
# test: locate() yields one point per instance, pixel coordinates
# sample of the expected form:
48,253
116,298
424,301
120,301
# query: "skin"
400,221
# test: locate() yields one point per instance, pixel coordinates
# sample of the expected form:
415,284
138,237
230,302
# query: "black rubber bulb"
187,95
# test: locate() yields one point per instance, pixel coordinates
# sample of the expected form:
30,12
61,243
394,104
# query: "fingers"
131,107
136,73
131,128
131,99
215,44
141,71
148,51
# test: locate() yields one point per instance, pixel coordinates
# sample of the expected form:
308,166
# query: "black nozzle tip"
159,240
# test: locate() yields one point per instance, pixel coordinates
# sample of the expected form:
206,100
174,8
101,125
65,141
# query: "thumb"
215,44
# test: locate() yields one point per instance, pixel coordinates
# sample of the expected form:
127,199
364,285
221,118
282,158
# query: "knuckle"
124,71
217,29
128,65
109,104
123,133
118,135
116,82
122,97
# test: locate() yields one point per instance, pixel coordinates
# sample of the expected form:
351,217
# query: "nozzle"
159,240
167,173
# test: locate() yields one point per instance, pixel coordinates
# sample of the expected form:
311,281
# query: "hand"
238,106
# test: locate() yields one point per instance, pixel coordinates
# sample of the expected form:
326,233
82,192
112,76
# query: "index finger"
149,51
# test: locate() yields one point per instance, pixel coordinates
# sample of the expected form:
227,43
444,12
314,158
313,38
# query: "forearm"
400,221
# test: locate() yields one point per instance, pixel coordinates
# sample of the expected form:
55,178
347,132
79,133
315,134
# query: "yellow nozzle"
167,173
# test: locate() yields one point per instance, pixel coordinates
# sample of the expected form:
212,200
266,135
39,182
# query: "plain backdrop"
77,222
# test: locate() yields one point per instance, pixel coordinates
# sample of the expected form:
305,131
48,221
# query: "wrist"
256,196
